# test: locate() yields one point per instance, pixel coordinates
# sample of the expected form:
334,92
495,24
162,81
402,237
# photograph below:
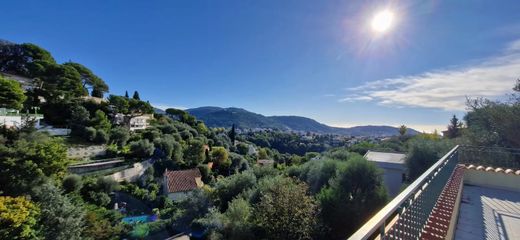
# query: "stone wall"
131,174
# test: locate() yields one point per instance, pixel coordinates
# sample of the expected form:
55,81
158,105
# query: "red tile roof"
491,169
183,180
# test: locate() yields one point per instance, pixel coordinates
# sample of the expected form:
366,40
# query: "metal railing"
412,206
490,156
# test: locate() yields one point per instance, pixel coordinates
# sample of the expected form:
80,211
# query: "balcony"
470,193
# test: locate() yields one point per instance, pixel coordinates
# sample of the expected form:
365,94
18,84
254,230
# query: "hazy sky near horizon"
318,59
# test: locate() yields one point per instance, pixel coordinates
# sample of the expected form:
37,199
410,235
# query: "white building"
394,169
14,119
177,184
136,123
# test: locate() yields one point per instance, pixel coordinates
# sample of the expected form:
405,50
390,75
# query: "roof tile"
183,180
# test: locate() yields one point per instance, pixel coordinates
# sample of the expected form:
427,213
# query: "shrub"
101,136
72,183
90,133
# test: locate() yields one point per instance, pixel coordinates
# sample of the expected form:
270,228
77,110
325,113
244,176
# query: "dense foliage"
317,187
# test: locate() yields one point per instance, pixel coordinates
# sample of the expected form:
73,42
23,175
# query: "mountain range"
243,119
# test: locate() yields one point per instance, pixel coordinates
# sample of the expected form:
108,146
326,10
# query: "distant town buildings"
394,169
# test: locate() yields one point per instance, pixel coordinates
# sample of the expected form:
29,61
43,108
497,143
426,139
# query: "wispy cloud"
447,88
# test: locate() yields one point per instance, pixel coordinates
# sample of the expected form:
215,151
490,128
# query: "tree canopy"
11,94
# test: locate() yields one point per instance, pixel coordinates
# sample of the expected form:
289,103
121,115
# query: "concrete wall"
95,166
178,196
131,174
392,176
492,179
11,121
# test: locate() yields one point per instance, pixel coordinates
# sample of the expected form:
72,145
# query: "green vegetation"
11,94
319,186
18,218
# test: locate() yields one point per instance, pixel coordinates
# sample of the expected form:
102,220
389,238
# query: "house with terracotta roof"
177,184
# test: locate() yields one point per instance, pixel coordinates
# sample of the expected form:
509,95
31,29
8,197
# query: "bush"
107,185
72,183
423,153
90,133
119,136
101,136
141,149
100,198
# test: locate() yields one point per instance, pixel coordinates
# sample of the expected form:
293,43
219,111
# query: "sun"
382,21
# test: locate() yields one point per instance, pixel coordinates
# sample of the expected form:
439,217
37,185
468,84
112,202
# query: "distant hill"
243,119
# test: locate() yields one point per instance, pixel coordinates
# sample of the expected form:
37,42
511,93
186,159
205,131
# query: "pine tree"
126,94
136,96
402,130
454,127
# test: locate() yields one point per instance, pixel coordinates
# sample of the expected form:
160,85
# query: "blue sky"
318,59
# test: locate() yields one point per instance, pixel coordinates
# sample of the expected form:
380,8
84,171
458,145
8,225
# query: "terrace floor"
488,213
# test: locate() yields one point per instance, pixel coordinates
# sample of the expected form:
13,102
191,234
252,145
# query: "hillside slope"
226,117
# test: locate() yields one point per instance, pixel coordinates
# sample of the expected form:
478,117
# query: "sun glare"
382,21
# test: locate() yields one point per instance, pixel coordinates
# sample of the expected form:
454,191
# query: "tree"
228,188
141,148
119,136
236,223
126,94
220,157
454,127
79,118
194,206
232,134
242,148
31,159
494,123
355,193
102,137
285,211
195,152
60,219
11,94
89,79
423,153
18,218
72,183
164,147
21,58
262,153
402,130
100,121
136,96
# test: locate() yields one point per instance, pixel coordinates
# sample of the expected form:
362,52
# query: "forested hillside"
302,188
243,119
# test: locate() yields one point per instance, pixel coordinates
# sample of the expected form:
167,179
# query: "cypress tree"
232,134
126,94
136,96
